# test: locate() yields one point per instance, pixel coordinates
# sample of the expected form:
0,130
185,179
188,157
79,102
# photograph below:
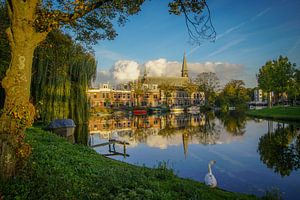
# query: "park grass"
58,169
291,113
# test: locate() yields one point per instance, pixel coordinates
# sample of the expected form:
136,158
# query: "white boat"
193,109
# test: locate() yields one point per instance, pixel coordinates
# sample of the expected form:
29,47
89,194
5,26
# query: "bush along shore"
58,169
291,113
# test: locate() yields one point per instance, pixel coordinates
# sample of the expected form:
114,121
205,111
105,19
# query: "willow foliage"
62,72
4,50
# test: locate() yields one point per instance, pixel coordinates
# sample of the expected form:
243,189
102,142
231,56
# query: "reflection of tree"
234,122
279,150
208,133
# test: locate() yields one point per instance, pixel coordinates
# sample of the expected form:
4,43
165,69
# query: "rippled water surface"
252,156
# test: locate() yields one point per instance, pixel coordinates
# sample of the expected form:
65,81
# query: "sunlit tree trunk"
270,100
18,112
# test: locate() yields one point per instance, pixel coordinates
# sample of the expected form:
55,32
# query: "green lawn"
60,170
278,112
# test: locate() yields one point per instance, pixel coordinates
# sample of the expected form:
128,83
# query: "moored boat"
139,112
193,109
177,109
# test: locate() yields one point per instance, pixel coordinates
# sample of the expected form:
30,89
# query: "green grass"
57,169
278,112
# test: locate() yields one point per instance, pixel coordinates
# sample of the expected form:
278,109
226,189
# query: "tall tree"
30,23
275,76
265,80
208,82
234,94
293,88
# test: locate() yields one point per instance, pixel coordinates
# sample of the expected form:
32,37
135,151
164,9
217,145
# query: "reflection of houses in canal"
161,131
186,120
132,123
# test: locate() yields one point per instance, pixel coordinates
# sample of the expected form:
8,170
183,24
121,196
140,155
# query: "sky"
249,33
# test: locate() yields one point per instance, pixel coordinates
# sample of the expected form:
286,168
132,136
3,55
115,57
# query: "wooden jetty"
112,148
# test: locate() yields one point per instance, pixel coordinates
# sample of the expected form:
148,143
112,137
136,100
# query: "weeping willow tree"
4,50
62,72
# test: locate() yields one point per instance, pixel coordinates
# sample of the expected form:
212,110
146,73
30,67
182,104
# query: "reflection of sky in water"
238,166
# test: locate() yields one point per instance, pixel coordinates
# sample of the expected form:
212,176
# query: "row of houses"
148,91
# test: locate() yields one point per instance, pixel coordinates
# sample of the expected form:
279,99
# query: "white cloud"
224,70
125,70
162,67
156,67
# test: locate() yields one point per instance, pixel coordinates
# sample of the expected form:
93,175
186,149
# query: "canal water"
252,155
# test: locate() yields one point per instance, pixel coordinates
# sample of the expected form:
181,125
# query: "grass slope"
59,170
278,112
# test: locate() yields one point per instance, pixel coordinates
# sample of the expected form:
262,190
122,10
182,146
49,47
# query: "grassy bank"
60,170
278,112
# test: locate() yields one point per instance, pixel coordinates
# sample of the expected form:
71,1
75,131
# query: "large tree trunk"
18,112
270,103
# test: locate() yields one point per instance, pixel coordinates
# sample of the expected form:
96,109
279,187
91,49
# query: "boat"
193,109
139,111
158,109
177,109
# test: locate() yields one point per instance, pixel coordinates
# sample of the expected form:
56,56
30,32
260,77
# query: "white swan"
210,179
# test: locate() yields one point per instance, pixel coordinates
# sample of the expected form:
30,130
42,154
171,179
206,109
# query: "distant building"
105,96
148,91
258,95
170,90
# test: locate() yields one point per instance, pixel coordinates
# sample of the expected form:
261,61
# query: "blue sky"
248,34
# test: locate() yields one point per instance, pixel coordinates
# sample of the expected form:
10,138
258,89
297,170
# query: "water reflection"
161,131
279,149
245,149
234,122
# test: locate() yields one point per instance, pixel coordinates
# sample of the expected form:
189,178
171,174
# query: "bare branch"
199,26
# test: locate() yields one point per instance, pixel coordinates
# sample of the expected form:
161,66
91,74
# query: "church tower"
184,71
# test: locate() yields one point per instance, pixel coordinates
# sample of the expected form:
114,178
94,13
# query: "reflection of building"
160,131
110,123
149,91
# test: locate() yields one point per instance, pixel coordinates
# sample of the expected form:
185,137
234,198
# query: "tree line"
279,77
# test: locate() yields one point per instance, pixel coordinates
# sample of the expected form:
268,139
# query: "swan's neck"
209,169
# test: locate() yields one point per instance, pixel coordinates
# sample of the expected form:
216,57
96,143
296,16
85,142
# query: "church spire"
184,71
185,141
145,72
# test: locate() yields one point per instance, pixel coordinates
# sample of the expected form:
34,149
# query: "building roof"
172,81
